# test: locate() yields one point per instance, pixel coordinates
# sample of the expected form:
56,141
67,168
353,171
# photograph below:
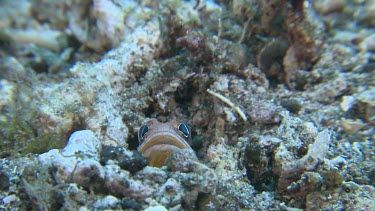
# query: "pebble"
329,6
368,44
107,202
83,142
156,208
9,199
347,102
45,159
132,161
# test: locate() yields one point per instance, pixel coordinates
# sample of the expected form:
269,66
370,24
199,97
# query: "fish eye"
141,133
184,129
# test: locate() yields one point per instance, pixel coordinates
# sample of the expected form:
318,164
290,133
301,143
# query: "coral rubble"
279,96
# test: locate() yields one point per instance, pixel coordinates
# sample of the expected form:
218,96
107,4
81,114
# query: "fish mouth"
163,141
158,154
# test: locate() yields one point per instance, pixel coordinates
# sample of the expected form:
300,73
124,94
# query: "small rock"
269,140
110,153
347,36
107,202
310,129
264,113
368,44
9,199
4,181
132,161
319,148
45,159
351,126
153,173
127,203
229,115
119,183
65,167
88,173
329,6
156,208
366,15
366,101
182,160
347,102
83,142
328,92
292,105
209,182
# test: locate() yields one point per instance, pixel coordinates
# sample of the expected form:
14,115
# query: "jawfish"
157,140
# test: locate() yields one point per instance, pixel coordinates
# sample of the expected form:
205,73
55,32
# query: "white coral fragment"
228,102
347,103
110,19
83,142
319,148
